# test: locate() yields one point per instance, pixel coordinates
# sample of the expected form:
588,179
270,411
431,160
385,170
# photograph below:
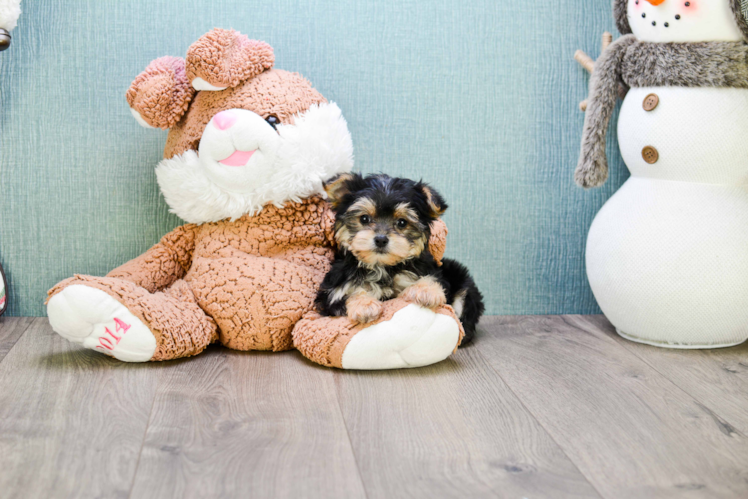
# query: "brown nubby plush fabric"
225,58
161,93
254,277
312,334
275,91
164,96
167,261
438,240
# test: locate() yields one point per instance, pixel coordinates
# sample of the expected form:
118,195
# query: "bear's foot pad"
94,319
414,337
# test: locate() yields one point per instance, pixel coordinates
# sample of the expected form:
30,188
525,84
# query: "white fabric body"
667,256
414,337
701,21
10,10
701,134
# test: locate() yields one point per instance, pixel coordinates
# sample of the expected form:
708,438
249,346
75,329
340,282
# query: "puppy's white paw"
414,337
92,318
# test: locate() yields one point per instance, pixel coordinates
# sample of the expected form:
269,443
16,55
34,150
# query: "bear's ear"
225,58
161,94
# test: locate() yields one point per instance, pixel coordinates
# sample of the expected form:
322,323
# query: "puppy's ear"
339,186
436,204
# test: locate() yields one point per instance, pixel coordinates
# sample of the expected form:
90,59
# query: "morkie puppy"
382,227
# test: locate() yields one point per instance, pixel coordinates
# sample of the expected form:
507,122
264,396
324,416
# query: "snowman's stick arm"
585,61
592,169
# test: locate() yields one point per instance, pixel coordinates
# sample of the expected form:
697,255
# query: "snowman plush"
667,256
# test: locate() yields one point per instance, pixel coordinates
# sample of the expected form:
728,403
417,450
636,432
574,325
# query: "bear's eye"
401,223
365,219
273,121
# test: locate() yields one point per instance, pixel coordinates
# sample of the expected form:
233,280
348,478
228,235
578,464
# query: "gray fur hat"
739,9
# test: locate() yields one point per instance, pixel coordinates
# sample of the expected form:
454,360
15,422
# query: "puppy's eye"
365,219
401,223
273,121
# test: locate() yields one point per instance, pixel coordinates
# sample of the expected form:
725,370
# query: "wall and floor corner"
480,99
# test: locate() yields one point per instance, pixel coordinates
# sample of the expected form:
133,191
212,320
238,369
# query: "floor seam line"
348,435
142,444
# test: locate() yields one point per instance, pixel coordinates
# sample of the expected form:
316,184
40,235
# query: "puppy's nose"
224,120
381,241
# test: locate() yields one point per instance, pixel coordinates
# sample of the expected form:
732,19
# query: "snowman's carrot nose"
656,2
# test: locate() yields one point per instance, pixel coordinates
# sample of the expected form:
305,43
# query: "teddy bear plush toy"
248,151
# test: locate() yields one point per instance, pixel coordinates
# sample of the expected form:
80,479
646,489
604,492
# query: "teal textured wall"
479,98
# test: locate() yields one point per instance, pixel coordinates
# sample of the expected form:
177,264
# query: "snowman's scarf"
631,63
706,64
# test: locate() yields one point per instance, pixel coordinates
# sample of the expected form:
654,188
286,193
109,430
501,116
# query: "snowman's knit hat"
739,9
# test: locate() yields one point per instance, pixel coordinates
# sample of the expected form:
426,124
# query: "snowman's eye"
273,121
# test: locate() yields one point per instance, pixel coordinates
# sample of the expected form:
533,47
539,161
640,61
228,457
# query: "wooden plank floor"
554,406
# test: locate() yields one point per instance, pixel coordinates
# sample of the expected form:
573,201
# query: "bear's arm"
164,263
438,240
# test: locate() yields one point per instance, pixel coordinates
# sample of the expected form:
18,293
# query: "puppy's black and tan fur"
382,227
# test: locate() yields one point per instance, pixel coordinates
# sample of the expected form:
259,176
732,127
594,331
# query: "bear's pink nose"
224,120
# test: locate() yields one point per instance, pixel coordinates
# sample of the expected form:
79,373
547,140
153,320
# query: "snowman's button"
650,155
651,102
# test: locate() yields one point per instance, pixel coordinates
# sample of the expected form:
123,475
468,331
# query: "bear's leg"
125,321
405,336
